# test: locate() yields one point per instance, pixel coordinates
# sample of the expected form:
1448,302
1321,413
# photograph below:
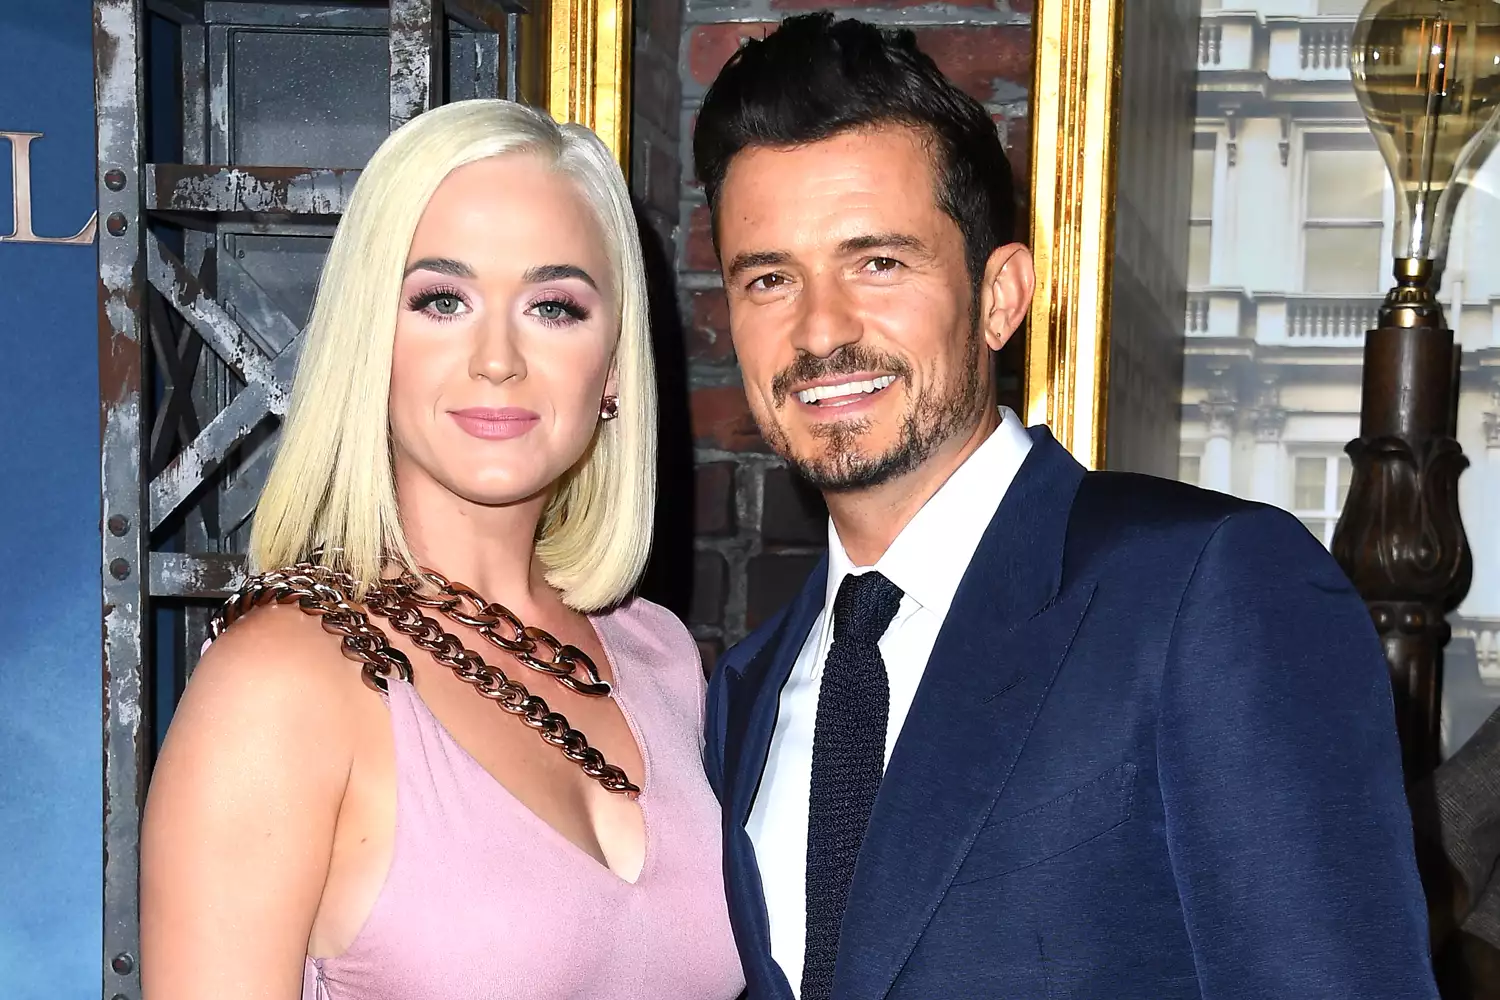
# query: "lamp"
1427,75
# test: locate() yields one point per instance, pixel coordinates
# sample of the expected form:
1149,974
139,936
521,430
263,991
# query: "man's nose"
827,319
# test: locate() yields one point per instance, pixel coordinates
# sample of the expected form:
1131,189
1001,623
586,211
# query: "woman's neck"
489,548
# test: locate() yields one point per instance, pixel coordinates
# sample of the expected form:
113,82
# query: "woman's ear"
1005,293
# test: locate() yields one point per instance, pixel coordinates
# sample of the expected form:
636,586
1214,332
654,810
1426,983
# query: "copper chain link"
462,605
325,593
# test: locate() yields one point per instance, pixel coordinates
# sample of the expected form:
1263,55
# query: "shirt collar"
929,557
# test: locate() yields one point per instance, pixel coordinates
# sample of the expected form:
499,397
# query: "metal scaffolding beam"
206,267
226,190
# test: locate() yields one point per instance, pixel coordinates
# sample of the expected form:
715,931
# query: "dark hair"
814,78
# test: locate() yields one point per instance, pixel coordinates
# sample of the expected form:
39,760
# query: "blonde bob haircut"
332,486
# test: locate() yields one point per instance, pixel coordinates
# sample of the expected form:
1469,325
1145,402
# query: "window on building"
1343,194
1190,469
1320,485
1200,216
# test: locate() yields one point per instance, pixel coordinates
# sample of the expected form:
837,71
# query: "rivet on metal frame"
117,224
118,525
120,570
115,179
123,963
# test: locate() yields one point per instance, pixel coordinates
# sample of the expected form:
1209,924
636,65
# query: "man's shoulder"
1124,517
742,652
803,605
1136,497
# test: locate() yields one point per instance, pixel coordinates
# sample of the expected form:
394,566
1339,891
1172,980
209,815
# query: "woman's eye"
554,312
438,304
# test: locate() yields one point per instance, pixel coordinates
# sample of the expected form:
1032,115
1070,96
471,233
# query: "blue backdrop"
50,706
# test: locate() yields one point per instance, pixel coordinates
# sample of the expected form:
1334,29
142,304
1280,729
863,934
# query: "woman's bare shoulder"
245,798
279,644
277,664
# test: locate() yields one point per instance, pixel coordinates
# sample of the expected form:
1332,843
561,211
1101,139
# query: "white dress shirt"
927,561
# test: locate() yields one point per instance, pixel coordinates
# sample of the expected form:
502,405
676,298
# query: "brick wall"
655,136
757,531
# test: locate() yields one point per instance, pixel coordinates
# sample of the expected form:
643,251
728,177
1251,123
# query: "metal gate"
230,135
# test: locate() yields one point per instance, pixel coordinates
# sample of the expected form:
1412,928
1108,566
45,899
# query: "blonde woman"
475,403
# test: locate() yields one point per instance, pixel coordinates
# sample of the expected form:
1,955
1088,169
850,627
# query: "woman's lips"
492,424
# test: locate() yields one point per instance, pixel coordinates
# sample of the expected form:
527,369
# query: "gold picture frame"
583,50
1074,120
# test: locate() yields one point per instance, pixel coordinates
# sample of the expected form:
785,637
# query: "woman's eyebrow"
557,272
442,265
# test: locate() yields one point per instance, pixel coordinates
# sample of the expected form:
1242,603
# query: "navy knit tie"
854,705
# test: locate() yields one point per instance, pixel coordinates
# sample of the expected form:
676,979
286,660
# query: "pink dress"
485,900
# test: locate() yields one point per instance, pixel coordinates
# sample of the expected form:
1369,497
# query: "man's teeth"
821,392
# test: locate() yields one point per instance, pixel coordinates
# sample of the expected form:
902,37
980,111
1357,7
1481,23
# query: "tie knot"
864,607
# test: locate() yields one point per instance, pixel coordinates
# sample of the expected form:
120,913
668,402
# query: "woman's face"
505,333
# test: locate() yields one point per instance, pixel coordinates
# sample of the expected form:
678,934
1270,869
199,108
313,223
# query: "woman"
476,400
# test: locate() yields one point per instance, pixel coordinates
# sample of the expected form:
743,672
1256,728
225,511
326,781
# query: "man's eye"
766,282
883,264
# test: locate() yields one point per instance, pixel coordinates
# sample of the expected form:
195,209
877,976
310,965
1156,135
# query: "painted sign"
20,199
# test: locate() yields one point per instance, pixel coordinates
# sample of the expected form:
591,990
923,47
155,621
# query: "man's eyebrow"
855,244
442,265
557,272
743,262
885,241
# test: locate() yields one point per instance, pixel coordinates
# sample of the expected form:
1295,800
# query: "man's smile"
843,393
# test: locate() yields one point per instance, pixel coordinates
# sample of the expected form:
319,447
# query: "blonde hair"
332,485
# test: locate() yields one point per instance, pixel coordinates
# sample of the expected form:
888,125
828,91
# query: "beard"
936,414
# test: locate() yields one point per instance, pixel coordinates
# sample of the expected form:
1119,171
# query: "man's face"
851,309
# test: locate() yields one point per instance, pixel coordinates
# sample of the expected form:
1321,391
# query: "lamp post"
1427,74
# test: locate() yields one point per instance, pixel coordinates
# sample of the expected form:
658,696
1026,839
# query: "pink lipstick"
495,424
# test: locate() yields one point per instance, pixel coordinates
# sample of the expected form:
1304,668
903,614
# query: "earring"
610,408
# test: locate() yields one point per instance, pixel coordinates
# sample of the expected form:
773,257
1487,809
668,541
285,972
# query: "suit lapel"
1004,639
754,696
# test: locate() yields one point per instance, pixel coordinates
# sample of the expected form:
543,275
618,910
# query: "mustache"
846,360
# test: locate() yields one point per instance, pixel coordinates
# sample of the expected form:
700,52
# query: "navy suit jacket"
1152,756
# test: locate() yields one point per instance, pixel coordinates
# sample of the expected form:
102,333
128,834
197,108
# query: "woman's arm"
240,819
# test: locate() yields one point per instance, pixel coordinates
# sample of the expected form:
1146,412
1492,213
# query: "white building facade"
1289,259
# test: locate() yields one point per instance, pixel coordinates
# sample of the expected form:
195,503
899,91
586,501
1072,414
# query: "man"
1027,732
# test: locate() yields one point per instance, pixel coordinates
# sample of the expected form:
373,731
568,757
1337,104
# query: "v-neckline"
617,695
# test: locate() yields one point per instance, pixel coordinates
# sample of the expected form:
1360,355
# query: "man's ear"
1005,294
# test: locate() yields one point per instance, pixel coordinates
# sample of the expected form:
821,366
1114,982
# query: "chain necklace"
325,593
504,630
